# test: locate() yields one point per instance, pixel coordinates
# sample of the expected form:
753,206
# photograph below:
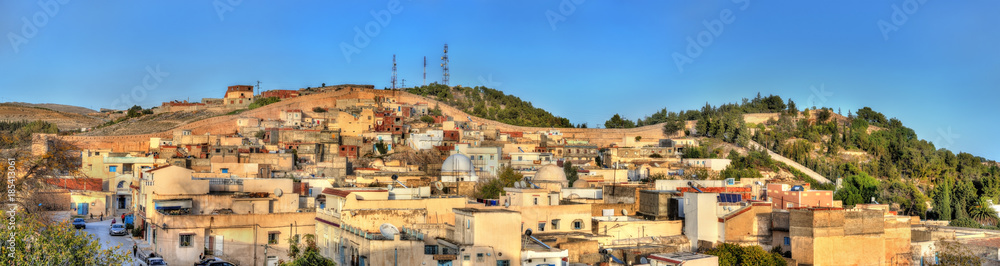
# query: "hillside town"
385,177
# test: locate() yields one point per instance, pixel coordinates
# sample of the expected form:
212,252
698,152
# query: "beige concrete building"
246,221
835,236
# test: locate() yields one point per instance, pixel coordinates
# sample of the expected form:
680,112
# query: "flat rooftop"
679,256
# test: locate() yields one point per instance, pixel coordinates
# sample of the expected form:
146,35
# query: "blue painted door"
81,208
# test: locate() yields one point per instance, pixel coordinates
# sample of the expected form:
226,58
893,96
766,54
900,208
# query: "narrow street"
100,229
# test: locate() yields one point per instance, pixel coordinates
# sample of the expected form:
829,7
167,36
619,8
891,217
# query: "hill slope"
57,107
491,104
64,120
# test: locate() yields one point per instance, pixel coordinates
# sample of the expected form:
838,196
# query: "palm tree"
983,212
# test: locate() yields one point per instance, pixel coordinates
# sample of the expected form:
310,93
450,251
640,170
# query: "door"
218,246
444,263
81,208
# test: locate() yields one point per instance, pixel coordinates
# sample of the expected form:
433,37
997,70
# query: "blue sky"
935,69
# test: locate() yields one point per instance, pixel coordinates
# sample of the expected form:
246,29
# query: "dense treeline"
491,104
16,133
894,167
890,164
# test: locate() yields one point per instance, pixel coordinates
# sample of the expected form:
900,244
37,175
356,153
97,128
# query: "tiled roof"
92,184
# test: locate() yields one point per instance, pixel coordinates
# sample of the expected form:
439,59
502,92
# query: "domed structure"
458,167
551,173
580,183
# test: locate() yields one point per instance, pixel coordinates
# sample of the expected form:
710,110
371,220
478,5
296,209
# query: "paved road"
100,229
790,162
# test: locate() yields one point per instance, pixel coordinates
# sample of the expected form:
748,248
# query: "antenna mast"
394,72
444,66
258,88
425,70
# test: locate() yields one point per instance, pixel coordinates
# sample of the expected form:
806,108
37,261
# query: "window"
430,250
113,168
272,238
788,241
519,158
465,257
536,201
541,226
225,170
503,262
578,224
555,224
185,240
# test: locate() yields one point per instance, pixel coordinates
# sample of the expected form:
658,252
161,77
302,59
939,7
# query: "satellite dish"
278,192
506,204
395,177
389,187
388,230
439,185
643,260
517,184
624,212
527,232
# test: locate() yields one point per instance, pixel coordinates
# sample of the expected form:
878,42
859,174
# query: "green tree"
617,121
672,125
858,189
491,188
381,147
427,119
942,201
307,254
983,212
731,254
318,109
571,174
37,241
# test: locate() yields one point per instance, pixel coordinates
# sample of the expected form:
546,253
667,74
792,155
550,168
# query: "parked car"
214,262
79,223
117,230
155,261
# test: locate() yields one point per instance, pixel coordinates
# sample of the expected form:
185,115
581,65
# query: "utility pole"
425,70
258,88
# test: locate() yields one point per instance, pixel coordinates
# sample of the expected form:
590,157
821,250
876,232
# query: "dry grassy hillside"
225,124
57,107
64,120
